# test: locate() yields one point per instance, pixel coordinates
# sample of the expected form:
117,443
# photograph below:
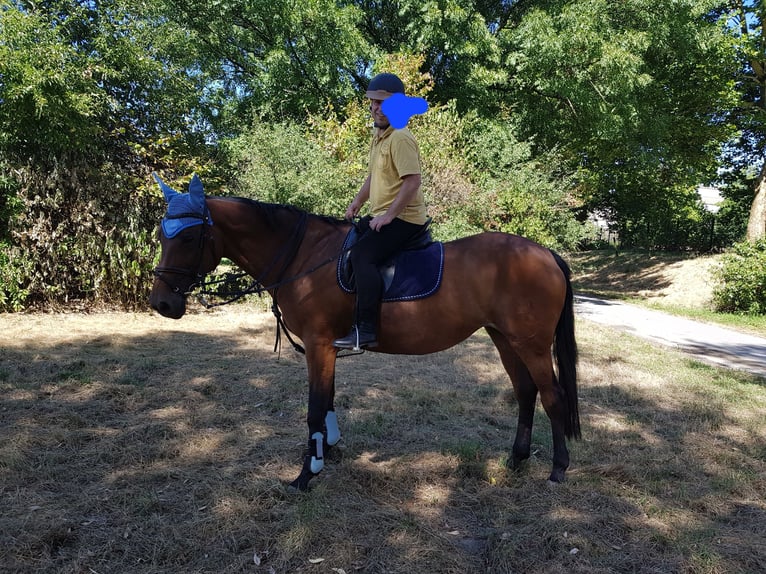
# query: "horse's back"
513,260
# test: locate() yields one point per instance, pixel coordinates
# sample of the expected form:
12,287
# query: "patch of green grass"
77,372
470,454
755,324
375,427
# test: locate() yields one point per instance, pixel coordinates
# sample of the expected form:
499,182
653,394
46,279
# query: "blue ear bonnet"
174,221
184,209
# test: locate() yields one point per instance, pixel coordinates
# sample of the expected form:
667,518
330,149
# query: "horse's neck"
253,234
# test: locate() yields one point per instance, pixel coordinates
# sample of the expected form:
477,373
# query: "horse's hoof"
298,486
301,484
295,487
556,477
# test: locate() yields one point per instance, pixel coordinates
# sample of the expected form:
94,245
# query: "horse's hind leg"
526,395
551,395
530,374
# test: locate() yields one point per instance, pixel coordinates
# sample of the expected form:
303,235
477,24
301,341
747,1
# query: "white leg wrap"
333,432
317,462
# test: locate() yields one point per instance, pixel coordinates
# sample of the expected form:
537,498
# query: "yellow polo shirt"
394,154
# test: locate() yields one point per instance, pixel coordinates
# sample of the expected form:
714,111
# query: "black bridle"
256,287
197,278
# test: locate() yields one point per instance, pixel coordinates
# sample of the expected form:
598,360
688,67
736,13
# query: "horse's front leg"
322,421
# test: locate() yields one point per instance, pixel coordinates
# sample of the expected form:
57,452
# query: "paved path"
705,342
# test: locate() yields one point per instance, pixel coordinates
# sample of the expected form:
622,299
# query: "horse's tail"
565,352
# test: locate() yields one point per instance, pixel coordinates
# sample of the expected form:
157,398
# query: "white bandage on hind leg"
317,462
333,432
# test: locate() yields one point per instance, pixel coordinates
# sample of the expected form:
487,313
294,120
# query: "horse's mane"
271,211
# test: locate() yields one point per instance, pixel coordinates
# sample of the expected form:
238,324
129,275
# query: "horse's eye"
188,237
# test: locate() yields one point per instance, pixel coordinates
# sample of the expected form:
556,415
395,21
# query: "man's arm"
361,198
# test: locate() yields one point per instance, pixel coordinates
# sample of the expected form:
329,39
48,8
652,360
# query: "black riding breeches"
372,249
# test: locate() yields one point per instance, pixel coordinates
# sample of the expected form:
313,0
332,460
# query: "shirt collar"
387,132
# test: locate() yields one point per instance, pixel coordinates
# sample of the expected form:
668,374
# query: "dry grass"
132,444
663,279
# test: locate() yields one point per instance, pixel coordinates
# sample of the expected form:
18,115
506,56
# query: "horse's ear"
167,191
197,193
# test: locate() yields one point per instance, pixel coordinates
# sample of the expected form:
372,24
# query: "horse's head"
188,249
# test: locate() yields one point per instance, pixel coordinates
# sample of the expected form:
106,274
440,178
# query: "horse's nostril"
168,308
162,307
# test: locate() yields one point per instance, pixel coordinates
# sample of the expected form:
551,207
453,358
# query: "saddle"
414,273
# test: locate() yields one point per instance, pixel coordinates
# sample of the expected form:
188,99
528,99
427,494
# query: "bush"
742,280
279,163
13,269
82,235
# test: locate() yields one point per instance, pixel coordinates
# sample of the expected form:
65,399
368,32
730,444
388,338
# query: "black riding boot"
362,335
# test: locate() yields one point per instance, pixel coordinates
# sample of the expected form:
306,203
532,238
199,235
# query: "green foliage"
742,280
540,112
50,97
78,243
13,273
631,95
93,98
278,163
280,58
476,175
472,167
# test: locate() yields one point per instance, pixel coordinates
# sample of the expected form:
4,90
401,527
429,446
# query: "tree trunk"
756,224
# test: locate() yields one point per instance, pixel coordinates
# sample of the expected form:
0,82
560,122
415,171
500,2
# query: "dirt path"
709,343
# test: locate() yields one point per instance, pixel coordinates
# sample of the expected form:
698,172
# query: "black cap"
383,86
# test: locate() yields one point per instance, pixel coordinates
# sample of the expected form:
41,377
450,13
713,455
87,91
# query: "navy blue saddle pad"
412,274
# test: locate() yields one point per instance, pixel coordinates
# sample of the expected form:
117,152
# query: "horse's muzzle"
169,305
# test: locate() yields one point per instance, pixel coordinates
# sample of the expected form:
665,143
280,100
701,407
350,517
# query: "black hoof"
517,463
557,476
301,484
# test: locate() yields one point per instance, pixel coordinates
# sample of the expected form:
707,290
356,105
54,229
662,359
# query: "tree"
279,59
93,98
746,19
50,98
630,93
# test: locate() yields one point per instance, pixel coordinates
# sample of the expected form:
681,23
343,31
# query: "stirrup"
356,340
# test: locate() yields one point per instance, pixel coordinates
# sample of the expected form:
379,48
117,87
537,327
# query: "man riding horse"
397,210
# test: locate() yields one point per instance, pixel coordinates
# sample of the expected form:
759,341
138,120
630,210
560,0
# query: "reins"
282,260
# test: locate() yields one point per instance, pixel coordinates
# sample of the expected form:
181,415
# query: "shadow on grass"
622,275
169,452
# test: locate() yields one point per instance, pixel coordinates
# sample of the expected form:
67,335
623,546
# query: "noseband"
196,277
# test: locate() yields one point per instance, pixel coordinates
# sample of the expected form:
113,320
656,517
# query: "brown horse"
517,290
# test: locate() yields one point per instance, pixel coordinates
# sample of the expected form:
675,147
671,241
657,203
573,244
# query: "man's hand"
380,221
352,211
356,206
